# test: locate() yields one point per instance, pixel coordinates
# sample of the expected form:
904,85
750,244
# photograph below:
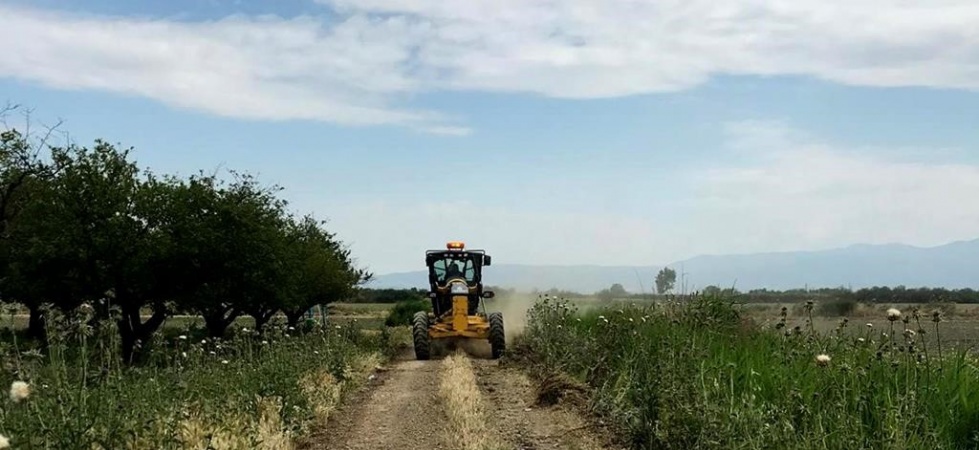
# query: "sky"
606,132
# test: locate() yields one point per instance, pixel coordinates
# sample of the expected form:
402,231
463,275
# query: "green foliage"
665,280
88,227
403,312
840,307
613,292
692,374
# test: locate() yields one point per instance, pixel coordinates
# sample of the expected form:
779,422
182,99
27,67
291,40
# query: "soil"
400,409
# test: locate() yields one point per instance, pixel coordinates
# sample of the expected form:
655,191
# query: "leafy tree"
21,171
227,239
323,270
665,280
613,292
88,234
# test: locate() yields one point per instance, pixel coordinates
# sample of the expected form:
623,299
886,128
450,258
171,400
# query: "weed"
689,373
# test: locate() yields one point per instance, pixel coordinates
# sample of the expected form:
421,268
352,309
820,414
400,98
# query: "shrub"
402,312
837,308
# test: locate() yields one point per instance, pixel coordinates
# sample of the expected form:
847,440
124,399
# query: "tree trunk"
217,322
262,318
100,313
294,316
133,331
37,324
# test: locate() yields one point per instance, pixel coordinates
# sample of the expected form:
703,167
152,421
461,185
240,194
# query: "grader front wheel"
497,337
419,333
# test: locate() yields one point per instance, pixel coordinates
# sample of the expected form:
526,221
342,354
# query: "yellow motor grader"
456,291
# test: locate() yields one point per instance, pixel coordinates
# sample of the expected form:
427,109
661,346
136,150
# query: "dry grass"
324,392
237,432
465,406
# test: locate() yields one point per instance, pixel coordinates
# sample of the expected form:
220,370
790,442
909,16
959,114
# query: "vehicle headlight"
459,288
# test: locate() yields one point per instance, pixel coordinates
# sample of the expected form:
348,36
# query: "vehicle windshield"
453,267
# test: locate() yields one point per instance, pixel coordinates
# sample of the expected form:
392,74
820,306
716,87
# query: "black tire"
419,333
497,337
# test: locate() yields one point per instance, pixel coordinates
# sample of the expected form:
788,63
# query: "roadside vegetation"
694,373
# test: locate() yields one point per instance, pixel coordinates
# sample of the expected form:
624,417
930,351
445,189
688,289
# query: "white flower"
909,333
184,354
224,361
4,442
870,325
893,314
211,353
182,337
19,390
861,340
203,342
822,360
265,342
244,330
292,328
316,352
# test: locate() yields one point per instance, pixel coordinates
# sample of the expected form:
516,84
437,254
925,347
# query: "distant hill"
955,265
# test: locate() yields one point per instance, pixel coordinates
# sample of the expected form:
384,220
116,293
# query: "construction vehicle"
455,277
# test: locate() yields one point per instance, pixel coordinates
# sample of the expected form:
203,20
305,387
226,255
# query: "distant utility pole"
639,278
683,280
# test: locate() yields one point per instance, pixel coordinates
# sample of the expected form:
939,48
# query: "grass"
244,392
700,375
464,406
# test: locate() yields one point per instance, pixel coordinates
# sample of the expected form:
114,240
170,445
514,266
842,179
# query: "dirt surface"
397,409
526,426
401,409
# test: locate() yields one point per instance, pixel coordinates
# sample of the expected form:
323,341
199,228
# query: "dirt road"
456,401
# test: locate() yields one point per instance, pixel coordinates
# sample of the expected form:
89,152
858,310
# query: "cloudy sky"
548,132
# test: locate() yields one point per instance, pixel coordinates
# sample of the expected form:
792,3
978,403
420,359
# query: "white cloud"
599,48
795,192
364,66
255,68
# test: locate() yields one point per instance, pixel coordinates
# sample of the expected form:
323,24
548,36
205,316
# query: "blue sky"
577,132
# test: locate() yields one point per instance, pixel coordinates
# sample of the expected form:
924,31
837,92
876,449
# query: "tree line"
87,228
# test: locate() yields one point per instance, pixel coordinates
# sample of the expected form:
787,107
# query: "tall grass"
696,375
247,392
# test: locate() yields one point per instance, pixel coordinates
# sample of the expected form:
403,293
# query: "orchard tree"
229,240
21,173
323,271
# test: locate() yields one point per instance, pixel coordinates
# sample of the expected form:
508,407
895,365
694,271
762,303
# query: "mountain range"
954,265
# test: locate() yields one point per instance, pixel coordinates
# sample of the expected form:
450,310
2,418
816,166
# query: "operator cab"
456,264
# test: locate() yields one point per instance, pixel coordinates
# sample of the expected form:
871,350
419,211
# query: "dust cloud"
514,308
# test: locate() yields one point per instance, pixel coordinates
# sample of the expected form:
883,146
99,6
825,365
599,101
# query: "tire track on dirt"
456,403
400,410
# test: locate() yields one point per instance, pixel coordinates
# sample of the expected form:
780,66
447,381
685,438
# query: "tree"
323,270
613,292
665,280
21,170
228,239
89,232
